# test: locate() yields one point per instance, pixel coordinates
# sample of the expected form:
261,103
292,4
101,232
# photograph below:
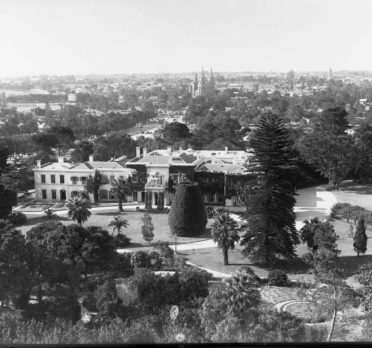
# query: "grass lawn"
133,231
354,194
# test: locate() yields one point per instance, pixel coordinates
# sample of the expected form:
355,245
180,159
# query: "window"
83,179
74,194
53,179
62,179
44,194
54,194
74,179
103,194
134,177
121,177
112,178
43,179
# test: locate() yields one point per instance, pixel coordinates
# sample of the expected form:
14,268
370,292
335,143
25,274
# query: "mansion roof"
230,162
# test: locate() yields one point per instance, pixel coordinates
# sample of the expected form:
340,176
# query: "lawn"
133,231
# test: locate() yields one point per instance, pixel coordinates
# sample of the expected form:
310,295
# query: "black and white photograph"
185,172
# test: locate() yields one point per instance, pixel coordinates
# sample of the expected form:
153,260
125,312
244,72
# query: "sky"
60,37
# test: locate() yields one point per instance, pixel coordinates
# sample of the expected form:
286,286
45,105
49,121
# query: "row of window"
53,179
75,179
210,180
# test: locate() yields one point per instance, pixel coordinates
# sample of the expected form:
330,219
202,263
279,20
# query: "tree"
14,273
4,154
328,146
175,131
83,149
147,228
118,223
225,233
334,296
321,239
270,229
78,208
113,145
360,238
187,215
121,188
8,199
94,183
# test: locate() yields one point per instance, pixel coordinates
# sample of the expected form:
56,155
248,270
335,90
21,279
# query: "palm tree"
79,209
225,233
118,223
94,183
121,188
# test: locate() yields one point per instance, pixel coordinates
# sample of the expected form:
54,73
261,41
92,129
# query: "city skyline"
57,37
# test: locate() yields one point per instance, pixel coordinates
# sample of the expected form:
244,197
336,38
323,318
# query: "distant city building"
330,75
71,98
204,87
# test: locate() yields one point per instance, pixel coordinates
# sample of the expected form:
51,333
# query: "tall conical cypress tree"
187,215
271,230
360,237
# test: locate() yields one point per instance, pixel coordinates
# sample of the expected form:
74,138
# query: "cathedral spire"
211,76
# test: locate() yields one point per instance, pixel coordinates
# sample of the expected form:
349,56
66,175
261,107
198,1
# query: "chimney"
38,164
213,158
61,159
144,151
169,150
91,158
138,151
226,150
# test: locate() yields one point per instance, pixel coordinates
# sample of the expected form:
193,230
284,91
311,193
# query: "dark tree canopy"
8,199
271,230
187,215
360,237
175,131
328,147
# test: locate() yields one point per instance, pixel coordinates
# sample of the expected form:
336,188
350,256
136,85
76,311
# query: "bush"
142,259
194,283
337,209
49,213
17,218
187,216
209,212
121,241
277,278
164,250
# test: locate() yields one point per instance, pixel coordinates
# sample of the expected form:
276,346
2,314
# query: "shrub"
17,218
194,283
209,212
277,278
122,241
164,250
337,209
187,216
140,259
49,213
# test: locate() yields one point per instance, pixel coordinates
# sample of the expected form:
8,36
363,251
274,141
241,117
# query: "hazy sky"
132,36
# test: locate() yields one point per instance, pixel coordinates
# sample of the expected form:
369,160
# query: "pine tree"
147,228
271,230
360,237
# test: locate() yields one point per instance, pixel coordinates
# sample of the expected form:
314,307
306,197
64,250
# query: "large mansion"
219,173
